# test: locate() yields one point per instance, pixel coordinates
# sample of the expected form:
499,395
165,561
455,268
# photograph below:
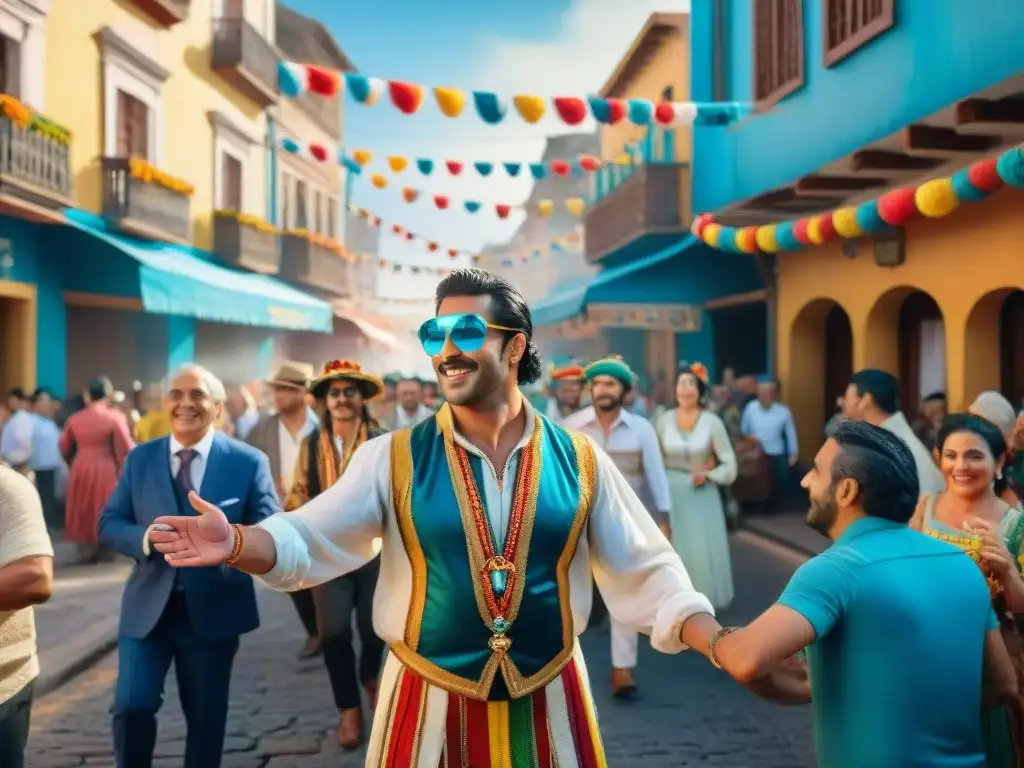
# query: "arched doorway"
906,335
993,360
820,367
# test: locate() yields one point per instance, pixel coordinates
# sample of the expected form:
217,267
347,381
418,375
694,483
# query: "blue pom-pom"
785,238
869,220
965,191
1010,167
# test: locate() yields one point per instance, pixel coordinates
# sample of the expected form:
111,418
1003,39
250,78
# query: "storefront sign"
283,317
680,318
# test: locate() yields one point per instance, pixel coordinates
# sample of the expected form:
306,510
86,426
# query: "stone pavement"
78,625
790,529
282,715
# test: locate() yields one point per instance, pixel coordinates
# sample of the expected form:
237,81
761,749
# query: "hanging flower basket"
24,116
321,240
147,174
248,220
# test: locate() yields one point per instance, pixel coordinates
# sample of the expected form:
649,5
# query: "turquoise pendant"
501,625
499,581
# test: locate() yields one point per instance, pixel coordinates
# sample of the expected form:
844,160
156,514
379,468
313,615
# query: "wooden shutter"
851,24
231,182
301,204
318,213
132,127
778,49
332,218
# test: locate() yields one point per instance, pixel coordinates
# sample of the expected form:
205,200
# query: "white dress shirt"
197,470
642,579
629,433
288,448
16,438
772,427
403,419
929,477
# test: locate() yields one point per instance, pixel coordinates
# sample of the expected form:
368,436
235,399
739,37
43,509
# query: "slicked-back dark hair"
508,308
881,385
100,388
883,467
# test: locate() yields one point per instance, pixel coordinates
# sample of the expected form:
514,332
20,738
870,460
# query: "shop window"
851,24
10,57
132,127
778,49
232,181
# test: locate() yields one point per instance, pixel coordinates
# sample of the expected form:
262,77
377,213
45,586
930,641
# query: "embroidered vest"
449,630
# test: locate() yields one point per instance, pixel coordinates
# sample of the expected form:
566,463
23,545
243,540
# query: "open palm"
206,539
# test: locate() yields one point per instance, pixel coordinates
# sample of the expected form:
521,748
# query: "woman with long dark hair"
971,514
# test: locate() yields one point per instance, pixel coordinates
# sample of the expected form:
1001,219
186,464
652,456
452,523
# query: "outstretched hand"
203,540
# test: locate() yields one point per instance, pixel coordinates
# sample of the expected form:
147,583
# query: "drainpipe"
272,168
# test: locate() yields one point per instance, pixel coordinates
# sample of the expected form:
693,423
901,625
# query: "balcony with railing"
645,191
245,58
35,164
167,13
243,241
144,202
315,261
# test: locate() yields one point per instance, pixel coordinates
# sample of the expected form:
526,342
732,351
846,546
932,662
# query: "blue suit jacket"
221,601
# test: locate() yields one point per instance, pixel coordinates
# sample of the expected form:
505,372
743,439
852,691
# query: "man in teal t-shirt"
899,625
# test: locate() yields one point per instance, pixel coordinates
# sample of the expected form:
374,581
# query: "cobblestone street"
282,716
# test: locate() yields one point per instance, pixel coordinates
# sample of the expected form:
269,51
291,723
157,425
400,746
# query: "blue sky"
541,47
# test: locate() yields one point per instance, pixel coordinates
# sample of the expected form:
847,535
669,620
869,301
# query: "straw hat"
292,374
369,385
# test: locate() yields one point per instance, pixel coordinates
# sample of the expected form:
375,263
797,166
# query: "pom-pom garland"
932,199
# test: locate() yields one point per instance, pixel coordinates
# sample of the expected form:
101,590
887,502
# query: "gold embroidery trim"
401,498
389,730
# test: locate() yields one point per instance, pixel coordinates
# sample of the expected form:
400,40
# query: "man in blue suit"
190,617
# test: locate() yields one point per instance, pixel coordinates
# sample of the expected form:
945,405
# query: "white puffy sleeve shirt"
642,579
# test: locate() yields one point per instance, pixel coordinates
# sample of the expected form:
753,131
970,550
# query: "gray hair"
997,409
216,387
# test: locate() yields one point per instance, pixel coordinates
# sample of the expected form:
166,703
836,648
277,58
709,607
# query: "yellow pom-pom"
845,222
379,181
814,230
766,239
711,233
936,198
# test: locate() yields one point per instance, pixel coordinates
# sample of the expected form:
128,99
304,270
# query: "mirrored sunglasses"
467,332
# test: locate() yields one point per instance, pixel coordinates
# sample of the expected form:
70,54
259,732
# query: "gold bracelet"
236,550
713,644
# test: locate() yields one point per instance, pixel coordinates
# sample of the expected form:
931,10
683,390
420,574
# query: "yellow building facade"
105,58
949,318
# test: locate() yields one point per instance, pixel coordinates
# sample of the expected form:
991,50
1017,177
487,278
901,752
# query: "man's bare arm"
998,676
259,554
26,582
754,651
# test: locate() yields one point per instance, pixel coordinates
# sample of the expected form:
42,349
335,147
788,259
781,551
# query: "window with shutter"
231,174
318,213
10,56
851,24
301,204
778,49
132,127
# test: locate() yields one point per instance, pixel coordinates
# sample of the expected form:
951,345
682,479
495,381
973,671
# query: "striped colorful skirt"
418,725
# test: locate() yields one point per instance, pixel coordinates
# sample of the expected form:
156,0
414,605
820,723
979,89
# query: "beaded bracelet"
236,550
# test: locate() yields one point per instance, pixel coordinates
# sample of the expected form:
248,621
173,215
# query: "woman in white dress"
698,458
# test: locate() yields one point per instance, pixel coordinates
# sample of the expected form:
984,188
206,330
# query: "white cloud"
574,61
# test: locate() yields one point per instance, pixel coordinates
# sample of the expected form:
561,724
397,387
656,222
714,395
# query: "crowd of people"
473,535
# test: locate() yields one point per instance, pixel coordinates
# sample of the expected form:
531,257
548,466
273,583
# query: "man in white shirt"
482,656
771,423
632,444
26,579
279,436
17,431
409,408
873,396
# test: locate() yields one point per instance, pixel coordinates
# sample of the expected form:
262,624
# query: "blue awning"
616,273
174,280
564,304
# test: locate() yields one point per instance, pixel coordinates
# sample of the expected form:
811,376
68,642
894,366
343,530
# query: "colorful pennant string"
932,199
566,244
295,79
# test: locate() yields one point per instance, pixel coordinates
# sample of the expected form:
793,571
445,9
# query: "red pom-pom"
503,211
452,253
573,111
665,113
410,236
431,247
897,207
454,167
560,167
700,223
984,176
800,231
322,81
318,151
396,228
616,110
746,240
827,228
406,97
589,163
441,202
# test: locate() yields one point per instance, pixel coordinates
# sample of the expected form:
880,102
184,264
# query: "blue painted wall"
938,52
699,347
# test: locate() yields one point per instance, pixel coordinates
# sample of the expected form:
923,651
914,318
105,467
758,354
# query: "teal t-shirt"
895,671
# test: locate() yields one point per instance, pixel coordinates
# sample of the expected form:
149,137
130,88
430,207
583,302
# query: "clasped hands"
187,542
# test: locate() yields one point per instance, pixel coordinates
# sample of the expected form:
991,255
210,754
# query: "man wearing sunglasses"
493,518
342,392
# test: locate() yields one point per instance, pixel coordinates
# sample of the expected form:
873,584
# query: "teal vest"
449,629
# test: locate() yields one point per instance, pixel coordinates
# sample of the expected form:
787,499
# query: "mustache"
456,362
